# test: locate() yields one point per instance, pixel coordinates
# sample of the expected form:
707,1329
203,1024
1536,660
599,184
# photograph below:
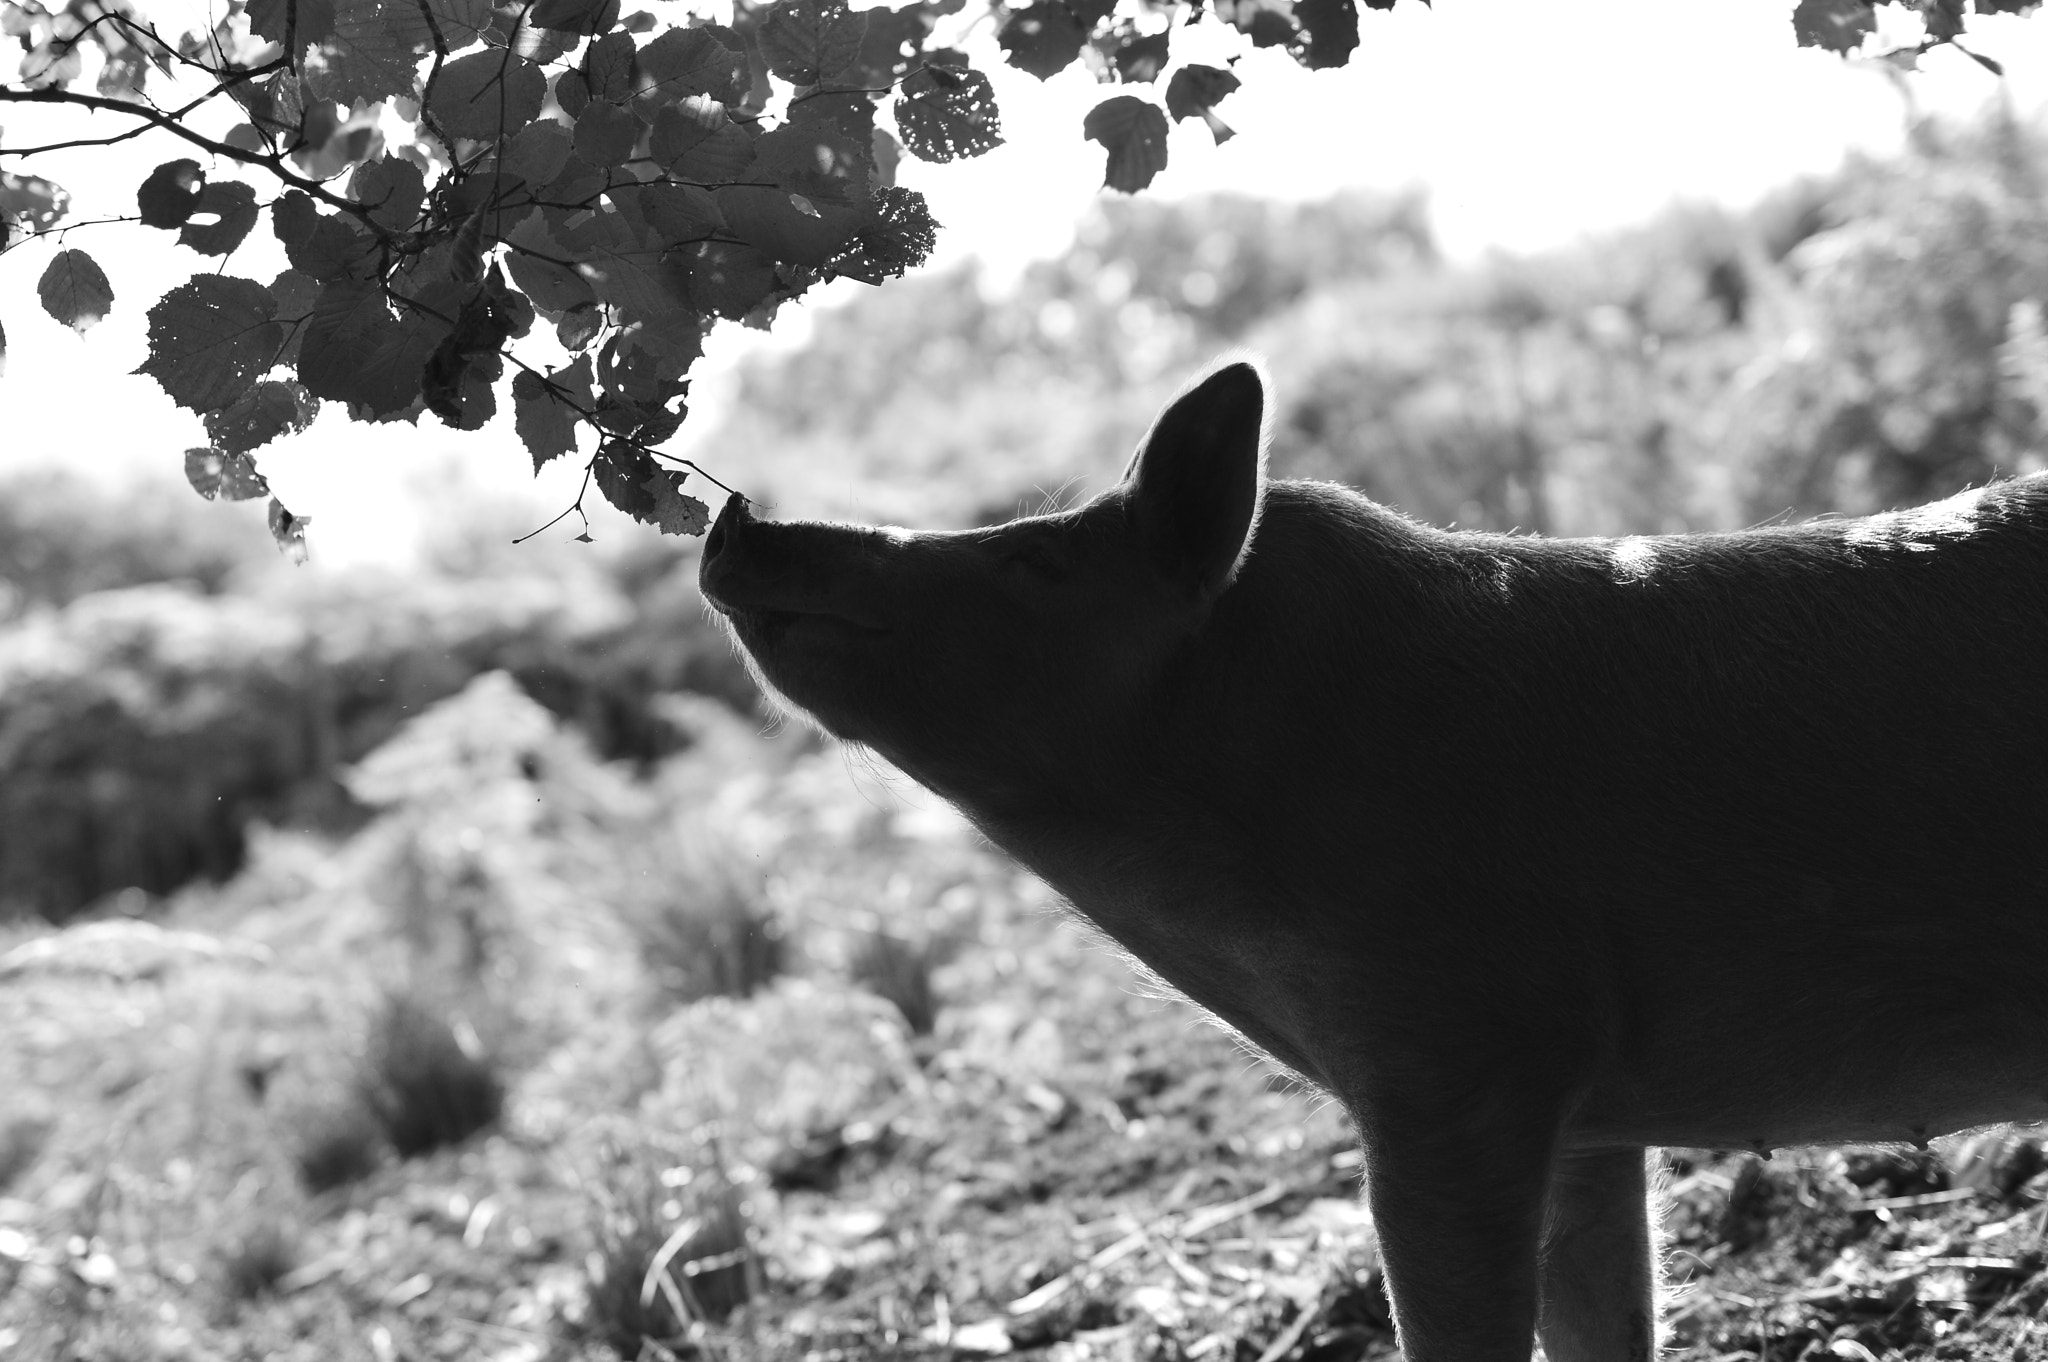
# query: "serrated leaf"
676,213
75,290
808,42
488,95
228,476
1269,23
170,194
289,531
605,134
462,22
272,408
710,61
1332,28
674,512
608,68
587,17
210,339
545,417
1042,39
1134,134
374,52
625,270
890,47
777,224
1139,60
578,327
946,114
393,190
1838,26
898,234
232,205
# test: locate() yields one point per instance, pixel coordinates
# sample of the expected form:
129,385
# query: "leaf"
374,52
808,42
608,68
229,476
232,205
676,213
170,194
1838,26
319,245
1042,39
210,338
945,113
539,152
1140,60
709,61
545,421
701,154
393,190
295,294
3,352
1134,133
898,235
625,270
818,160
674,513
271,19
772,220
75,290
1269,23
30,196
621,473
488,95
356,352
289,531
588,17
1196,91
1332,27
726,280
535,261
890,47
605,134
272,408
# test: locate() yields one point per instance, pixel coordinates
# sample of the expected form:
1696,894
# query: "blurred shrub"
256,1257
336,1147
425,1076
63,536
901,973
672,1248
21,1142
702,928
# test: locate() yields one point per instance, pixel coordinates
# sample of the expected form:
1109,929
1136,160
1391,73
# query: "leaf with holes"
488,95
356,352
946,113
1134,133
170,194
228,476
232,206
621,473
1043,38
210,339
34,198
673,511
320,245
75,290
272,408
374,52
808,42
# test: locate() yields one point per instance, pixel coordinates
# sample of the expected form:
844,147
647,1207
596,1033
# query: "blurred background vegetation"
444,962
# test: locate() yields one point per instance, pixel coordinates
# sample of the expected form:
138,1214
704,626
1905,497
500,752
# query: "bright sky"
1529,124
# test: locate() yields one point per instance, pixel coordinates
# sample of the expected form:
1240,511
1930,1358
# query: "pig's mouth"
756,576
771,624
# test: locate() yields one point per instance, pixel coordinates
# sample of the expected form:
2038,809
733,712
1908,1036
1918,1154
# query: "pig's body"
1535,852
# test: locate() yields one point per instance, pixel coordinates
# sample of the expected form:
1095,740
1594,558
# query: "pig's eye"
1037,561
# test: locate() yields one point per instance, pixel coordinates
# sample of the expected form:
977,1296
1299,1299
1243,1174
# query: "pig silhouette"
1534,852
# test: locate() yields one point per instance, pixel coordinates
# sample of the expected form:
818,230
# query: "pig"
1536,853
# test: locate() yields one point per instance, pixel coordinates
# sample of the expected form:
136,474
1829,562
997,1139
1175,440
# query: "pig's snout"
774,569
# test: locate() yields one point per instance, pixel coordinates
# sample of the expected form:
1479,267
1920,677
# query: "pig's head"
1000,665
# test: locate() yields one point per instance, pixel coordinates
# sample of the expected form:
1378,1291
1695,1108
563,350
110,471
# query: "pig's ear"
1193,492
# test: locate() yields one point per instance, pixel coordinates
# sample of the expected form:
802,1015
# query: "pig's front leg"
1458,1172
1598,1273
